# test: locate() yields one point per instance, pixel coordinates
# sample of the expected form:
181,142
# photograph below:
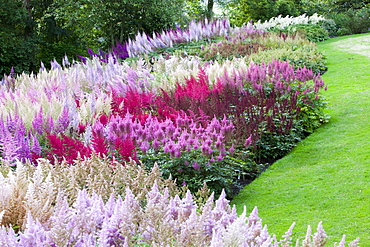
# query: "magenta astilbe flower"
196,166
248,141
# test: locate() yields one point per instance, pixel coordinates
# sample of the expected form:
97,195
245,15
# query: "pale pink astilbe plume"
87,216
287,237
307,241
223,214
342,243
61,224
320,238
157,225
8,238
123,220
192,227
354,243
34,235
242,232
206,216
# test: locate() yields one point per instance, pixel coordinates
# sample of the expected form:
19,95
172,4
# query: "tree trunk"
209,11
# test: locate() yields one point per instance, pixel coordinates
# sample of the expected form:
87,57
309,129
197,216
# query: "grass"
326,177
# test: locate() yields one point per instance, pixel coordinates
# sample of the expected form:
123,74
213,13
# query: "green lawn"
327,176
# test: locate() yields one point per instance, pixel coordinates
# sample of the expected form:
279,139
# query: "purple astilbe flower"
9,148
38,122
24,151
49,124
55,65
62,121
196,166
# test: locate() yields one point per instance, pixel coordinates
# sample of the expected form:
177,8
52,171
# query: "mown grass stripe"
327,176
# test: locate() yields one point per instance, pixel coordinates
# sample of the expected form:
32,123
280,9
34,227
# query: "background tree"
104,22
342,5
242,11
18,41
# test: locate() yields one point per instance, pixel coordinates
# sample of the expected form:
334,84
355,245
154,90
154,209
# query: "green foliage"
18,42
344,5
194,169
313,32
245,10
242,11
273,146
330,26
352,21
311,7
117,20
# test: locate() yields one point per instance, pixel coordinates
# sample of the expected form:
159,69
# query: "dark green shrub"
18,42
352,21
194,169
330,26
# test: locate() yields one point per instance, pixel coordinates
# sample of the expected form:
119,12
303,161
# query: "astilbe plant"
32,191
263,98
162,220
195,31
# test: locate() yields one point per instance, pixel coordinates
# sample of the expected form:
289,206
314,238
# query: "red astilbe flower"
64,147
99,145
195,88
133,102
126,149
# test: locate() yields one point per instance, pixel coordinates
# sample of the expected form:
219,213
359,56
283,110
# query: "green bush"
352,21
330,26
194,169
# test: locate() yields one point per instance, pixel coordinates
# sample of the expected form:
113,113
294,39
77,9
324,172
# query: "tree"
110,21
342,5
244,11
18,42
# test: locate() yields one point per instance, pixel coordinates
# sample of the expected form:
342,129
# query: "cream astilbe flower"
280,22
